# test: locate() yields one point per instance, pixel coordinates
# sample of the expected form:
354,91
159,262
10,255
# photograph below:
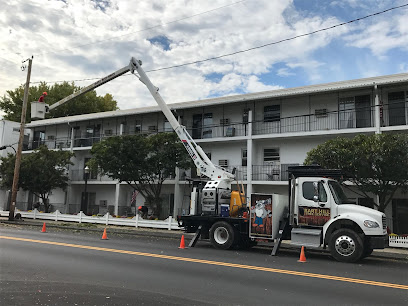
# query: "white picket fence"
398,241
170,223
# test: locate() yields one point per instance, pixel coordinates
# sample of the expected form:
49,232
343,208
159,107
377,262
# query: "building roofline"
287,92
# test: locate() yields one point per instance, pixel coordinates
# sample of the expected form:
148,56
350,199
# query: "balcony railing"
57,143
327,121
214,131
79,175
391,115
278,172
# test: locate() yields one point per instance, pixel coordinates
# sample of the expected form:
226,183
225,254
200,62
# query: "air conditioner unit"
321,112
152,128
223,162
225,121
108,132
103,203
51,137
230,132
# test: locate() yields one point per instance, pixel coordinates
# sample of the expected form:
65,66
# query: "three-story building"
259,134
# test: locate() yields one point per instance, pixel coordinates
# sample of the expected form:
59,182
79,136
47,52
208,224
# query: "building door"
39,139
197,126
396,108
363,111
400,216
346,112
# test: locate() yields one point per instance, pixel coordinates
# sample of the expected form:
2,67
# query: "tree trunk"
46,202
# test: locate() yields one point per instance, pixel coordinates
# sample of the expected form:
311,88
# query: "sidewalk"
391,253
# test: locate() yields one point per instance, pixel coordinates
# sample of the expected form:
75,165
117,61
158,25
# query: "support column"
178,200
117,192
121,129
68,192
377,110
377,119
249,155
178,195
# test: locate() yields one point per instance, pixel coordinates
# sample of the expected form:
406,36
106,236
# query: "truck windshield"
338,193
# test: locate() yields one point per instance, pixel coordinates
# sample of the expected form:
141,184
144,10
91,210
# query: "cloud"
253,84
81,39
382,35
284,72
403,67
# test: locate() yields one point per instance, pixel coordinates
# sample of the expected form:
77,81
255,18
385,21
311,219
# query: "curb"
147,233
375,254
157,233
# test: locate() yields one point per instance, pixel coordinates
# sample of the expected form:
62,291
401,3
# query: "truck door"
313,203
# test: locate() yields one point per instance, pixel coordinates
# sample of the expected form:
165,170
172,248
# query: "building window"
244,157
272,113
92,173
271,156
138,126
245,115
167,126
355,112
202,125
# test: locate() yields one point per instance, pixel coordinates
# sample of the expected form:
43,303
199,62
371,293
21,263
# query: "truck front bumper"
378,242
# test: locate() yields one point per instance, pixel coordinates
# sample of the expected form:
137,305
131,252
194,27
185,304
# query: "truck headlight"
371,224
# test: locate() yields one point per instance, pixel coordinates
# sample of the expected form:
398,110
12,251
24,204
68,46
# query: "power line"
279,41
257,47
146,29
8,60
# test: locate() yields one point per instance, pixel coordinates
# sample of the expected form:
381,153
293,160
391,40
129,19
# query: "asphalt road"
71,268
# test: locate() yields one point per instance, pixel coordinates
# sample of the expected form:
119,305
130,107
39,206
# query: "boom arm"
98,83
200,159
202,162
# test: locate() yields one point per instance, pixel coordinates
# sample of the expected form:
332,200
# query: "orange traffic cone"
44,228
104,236
302,255
182,245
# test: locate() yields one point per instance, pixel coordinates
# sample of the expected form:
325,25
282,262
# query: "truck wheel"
222,235
346,246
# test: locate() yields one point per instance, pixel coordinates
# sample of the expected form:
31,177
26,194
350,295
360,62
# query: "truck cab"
320,215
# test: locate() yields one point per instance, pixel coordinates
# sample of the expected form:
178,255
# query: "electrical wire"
146,29
257,47
279,41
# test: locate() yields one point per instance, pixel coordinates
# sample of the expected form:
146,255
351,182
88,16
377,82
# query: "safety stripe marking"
218,263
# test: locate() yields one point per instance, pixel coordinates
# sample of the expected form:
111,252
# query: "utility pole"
20,143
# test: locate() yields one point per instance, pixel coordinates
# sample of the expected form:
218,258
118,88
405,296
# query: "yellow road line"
217,263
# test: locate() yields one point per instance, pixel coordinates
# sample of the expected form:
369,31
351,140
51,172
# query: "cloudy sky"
89,39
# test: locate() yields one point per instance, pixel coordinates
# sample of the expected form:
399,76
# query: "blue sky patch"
161,41
214,77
